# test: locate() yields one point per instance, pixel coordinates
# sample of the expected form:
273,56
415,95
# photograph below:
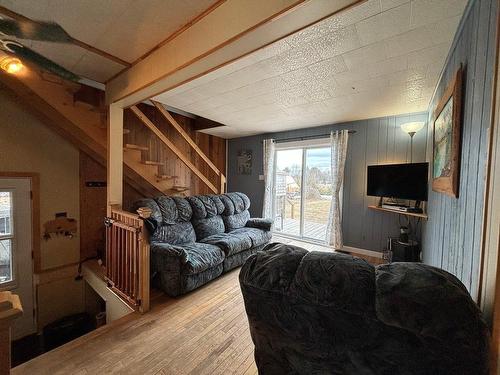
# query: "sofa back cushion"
170,219
235,214
207,219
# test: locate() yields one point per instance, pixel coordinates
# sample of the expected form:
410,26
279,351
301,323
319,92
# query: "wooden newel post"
10,310
145,213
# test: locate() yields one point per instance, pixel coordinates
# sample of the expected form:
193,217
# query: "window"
6,238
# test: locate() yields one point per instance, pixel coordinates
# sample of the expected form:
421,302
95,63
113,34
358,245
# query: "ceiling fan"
28,29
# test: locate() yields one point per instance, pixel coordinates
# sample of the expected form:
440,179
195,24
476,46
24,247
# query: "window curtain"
338,144
269,148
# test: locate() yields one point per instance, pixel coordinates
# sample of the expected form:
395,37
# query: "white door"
16,263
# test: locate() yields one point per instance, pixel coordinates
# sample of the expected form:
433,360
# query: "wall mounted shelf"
414,214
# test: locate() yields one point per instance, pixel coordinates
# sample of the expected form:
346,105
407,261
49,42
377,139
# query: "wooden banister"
185,135
10,310
147,122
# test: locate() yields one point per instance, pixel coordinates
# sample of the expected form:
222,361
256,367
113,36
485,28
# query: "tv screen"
402,181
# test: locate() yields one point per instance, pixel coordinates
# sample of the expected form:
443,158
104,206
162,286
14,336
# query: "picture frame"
447,135
244,159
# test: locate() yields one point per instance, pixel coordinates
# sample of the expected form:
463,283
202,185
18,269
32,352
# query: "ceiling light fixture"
411,128
11,65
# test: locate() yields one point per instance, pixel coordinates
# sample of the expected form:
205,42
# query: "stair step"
179,188
151,162
135,147
160,177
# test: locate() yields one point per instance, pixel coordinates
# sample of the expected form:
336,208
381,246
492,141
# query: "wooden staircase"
79,115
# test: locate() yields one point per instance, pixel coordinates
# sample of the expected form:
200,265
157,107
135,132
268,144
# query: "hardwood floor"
204,332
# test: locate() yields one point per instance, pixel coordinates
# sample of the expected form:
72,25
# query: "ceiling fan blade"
34,57
34,30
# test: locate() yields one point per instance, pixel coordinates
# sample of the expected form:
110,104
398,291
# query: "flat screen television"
401,181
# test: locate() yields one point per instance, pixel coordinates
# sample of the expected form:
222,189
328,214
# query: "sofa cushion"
175,233
170,219
234,203
174,209
206,215
230,243
258,236
235,214
236,221
201,256
205,206
193,257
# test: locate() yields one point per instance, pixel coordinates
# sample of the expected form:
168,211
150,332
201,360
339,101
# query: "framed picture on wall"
245,162
446,138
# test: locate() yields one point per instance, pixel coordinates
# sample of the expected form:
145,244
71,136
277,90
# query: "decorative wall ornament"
447,138
245,162
60,226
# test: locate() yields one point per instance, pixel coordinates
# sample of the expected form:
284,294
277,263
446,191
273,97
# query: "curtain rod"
307,137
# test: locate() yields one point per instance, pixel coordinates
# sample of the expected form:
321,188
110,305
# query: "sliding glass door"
302,191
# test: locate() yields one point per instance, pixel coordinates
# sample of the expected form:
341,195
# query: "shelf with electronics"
420,215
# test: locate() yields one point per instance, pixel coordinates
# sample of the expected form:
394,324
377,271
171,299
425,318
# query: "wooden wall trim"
35,213
171,36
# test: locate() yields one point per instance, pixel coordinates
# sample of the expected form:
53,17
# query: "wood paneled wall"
93,206
93,199
452,236
213,147
376,141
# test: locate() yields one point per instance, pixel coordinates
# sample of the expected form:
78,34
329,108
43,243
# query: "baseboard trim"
356,250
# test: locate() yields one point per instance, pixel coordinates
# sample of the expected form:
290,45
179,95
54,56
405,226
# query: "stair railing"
127,256
171,146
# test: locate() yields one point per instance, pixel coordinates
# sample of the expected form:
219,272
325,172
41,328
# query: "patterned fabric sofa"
196,239
331,313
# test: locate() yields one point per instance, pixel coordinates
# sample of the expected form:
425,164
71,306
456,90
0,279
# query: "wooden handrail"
185,135
10,309
147,122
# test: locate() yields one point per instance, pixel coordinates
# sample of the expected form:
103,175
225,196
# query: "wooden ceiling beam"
231,31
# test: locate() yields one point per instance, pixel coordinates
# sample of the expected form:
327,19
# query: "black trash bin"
66,329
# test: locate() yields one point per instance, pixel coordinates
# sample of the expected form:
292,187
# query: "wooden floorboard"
203,332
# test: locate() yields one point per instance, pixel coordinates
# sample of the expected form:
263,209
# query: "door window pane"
5,212
288,193
317,192
5,236
5,260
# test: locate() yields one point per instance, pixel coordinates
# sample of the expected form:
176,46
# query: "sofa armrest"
259,223
165,251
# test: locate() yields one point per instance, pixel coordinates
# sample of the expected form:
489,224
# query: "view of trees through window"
316,192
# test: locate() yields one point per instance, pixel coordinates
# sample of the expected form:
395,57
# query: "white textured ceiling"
126,29
380,58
